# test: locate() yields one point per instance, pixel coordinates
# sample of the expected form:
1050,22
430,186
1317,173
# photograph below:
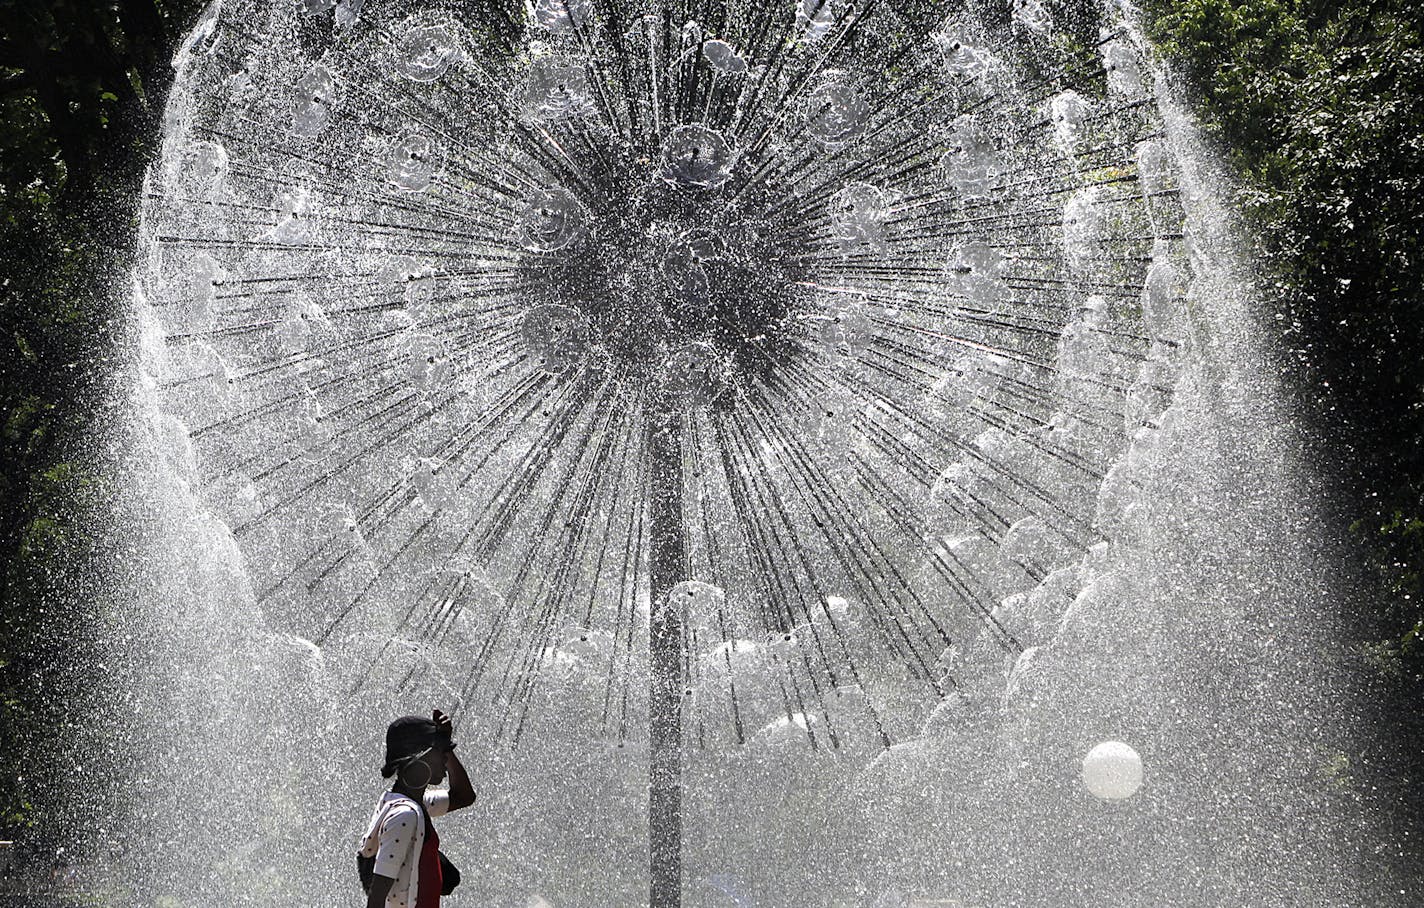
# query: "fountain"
795,441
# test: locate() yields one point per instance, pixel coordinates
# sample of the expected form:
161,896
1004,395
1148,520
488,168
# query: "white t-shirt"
395,838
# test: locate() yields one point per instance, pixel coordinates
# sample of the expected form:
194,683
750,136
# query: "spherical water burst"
792,306
1112,771
1032,14
697,374
207,162
1069,112
1124,69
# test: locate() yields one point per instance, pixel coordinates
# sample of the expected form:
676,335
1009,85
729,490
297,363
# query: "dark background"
1318,107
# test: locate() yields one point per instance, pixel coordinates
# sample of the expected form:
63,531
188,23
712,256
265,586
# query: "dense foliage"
1319,105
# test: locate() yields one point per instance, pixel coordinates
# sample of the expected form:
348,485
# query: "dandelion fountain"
789,437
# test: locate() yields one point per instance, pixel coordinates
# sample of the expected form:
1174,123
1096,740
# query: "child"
401,848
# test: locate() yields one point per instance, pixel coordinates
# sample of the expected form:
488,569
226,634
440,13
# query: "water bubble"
704,245
971,164
696,374
703,609
239,82
562,16
682,267
348,12
980,259
555,91
1083,226
421,294
550,221
198,307
695,157
836,113
831,419
556,336
1112,771
814,18
314,430
1124,69
857,214
1021,676
1033,544
1031,14
433,484
1162,294
786,733
1151,391
1083,349
214,381
314,98
980,556
722,57
950,397
744,665
978,273
692,37
293,225
961,58
645,34
427,361
1069,112
1154,165
412,162
845,330
955,499
202,38
237,497
294,332
207,162
424,52
689,287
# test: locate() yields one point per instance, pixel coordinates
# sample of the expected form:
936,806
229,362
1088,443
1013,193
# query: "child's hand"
447,728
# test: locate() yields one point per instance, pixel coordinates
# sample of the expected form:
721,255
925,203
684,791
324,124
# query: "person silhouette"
399,857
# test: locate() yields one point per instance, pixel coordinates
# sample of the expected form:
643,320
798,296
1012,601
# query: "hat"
409,737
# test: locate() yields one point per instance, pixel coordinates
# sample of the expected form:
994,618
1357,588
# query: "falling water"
787,437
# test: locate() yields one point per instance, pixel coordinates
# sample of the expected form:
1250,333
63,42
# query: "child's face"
435,761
